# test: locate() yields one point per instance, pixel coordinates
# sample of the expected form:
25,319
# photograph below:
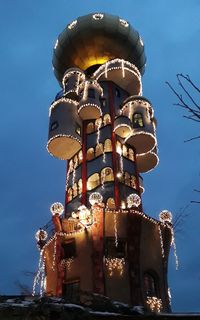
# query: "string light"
98,16
133,200
124,23
115,264
61,100
56,44
115,229
54,253
73,72
170,296
123,71
67,263
59,136
57,208
173,243
98,130
161,242
116,64
155,304
141,132
85,105
72,24
40,275
166,216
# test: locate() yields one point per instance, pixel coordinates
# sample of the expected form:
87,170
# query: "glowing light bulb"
165,216
133,200
95,198
57,208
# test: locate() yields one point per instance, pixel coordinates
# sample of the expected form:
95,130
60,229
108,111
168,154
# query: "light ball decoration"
57,208
41,235
133,200
95,198
165,216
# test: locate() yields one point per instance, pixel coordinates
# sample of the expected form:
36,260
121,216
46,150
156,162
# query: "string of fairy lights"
85,219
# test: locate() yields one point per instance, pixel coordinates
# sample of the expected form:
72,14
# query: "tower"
105,128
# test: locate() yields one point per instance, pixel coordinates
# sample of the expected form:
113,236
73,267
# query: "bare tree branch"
194,138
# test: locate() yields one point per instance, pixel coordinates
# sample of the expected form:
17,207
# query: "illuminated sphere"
114,38
57,208
41,235
133,200
165,216
95,198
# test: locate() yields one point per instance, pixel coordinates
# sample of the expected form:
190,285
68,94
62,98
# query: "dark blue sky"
30,179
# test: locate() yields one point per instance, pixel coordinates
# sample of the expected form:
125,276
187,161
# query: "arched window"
69,194
150,284
130,154
98,149
90,154
75,190
107,175
106,119
90,127
93,181
137,120
107,146
110,204
80,185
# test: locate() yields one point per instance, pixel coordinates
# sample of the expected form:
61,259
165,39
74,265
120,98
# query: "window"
90,127
54,125
107,174
69,249
90,154
78,130
117,93
110,203
93,181
150,285
138,120
115,252
91,93
106,119
71,291
102,102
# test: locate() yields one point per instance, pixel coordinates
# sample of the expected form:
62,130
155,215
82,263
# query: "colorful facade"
105,128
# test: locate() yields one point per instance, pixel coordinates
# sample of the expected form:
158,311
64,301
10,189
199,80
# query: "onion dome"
95,39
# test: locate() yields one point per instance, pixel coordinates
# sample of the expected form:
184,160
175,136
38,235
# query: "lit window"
115,252
78,130
138,120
